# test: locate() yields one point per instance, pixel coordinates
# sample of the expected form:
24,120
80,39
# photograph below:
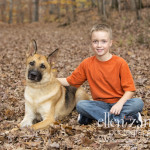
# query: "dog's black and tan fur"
44,94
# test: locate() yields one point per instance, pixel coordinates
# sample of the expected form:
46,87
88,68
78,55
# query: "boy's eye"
42,66
95,41
104,41
32,63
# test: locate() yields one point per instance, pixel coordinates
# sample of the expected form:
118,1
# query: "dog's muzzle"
34,75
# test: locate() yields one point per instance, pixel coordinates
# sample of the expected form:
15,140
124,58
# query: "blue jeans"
99,110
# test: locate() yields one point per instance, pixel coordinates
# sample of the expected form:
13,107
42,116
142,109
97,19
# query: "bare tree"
58,10
3,10
30,4
139,4
93,3
133,5
99,7
102,7
114,4
119,5
74,9
136,5
67,12
36,10
10,11
20,13
137,8
126,4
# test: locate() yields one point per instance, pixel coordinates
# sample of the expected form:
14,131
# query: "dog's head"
38,66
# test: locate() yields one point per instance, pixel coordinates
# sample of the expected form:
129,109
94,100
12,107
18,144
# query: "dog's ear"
32,48
52,56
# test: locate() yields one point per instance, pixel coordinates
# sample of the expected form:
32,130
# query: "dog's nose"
34,75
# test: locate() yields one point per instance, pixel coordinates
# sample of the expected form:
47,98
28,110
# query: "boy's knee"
81,104
138,103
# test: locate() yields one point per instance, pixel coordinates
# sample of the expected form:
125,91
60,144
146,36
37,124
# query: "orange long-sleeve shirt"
108,80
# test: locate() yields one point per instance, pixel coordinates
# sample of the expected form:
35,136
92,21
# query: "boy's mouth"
99,50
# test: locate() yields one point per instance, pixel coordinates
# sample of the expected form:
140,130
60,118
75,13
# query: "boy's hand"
116,109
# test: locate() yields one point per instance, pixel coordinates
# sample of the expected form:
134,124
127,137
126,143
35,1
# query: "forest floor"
131,40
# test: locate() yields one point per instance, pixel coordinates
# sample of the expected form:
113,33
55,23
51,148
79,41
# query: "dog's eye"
32,63
42,66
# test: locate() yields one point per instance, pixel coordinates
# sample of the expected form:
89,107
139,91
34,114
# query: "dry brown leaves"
131,41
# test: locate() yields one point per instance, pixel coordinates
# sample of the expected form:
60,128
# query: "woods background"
66,24
27,11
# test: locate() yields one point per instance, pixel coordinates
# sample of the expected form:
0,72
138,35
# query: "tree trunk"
3,10
93,4
58,10
137,10
126,5
20,13
103,8
119,5
30,10
99,7
139,4
74,9
36,10
133,5
67,13
10,11
114,4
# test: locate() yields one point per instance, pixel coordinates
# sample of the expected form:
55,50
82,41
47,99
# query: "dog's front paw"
25,123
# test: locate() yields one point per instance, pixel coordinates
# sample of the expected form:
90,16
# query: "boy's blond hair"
102,27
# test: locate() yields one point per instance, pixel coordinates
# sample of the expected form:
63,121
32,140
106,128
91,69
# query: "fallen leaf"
86,141
34,144
54,145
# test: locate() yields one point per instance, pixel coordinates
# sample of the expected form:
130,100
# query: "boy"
111,83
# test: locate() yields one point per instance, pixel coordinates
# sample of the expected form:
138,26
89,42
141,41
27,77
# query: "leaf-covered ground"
131,41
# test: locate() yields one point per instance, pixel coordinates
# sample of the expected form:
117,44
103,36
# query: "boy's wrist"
127,95
121,102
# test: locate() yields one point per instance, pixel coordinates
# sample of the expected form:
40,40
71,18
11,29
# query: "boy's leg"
131,107
97,110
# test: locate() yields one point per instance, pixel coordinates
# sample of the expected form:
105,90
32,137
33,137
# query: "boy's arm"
116,109
63,81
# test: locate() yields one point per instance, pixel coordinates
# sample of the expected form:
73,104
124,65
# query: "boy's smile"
101,44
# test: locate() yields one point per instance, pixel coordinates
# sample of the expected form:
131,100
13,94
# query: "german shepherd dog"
45,97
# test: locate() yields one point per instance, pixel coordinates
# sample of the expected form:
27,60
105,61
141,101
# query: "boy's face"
101,43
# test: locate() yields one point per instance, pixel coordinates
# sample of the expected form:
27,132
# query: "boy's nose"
99,44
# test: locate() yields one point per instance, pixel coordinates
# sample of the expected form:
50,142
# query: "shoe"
84,120
134,119
140,118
